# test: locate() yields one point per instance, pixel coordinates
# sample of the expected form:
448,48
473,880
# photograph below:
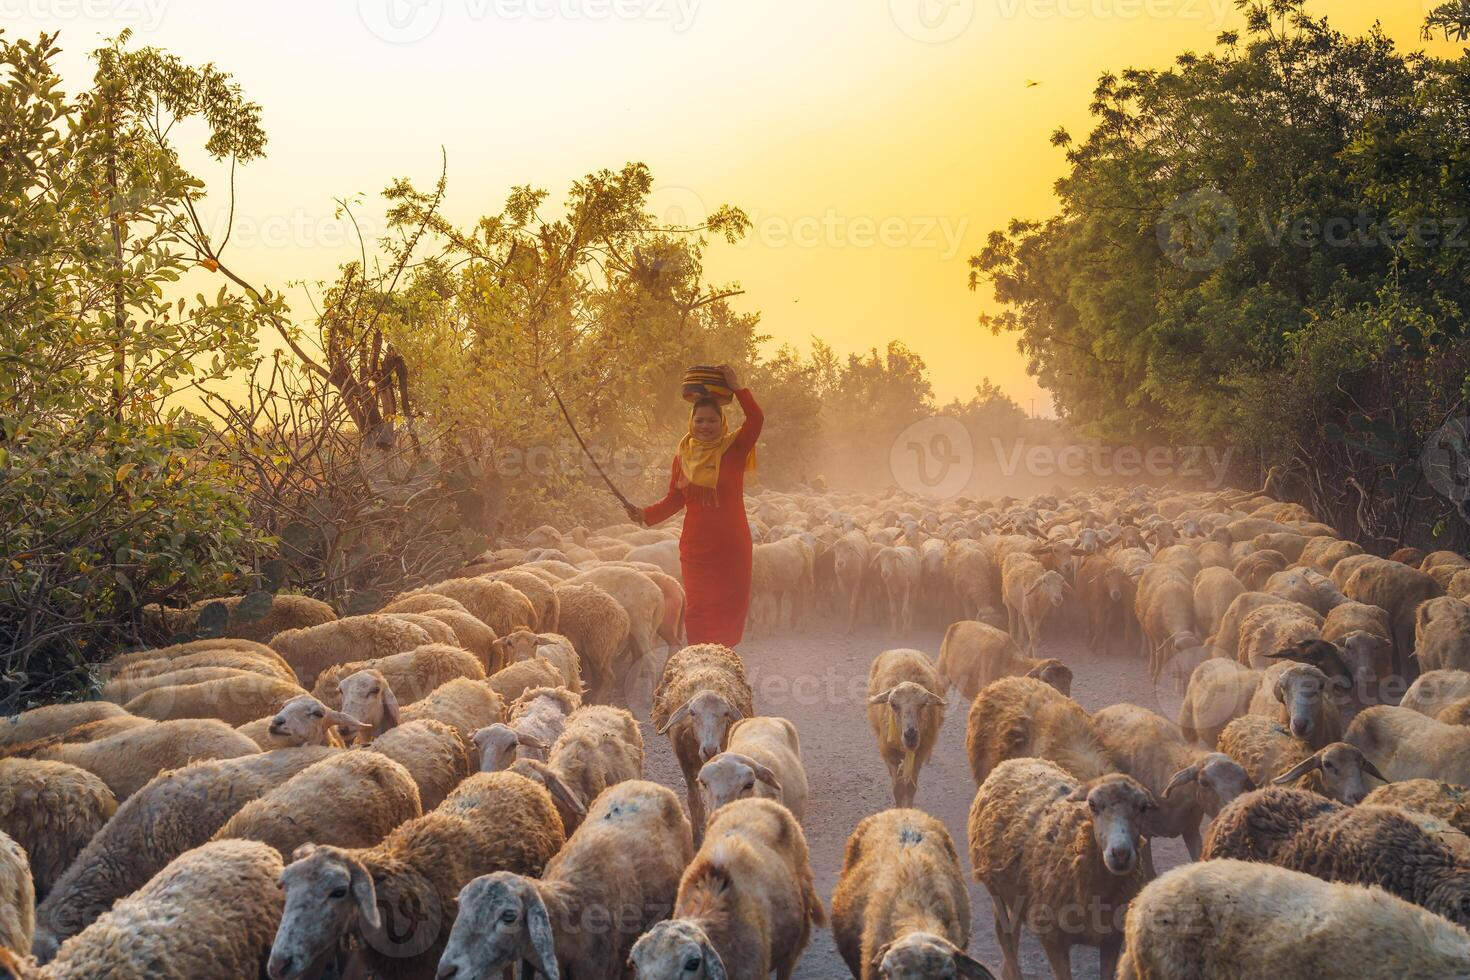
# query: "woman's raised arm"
750,429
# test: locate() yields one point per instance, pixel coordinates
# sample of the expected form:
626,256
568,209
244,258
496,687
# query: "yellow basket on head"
703,381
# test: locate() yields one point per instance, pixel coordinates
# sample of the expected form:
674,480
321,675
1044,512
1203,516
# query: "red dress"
714,548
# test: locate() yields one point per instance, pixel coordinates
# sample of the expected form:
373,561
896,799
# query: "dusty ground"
818,679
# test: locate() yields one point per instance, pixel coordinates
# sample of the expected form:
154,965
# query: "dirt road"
818,679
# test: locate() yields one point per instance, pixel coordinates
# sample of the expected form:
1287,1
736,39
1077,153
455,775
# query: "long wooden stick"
573,426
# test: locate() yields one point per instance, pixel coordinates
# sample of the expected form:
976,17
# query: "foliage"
1264,246
105,502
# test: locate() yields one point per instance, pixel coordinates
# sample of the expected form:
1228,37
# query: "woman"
714,549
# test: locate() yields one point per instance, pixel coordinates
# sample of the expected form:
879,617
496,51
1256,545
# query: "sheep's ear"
544,641
1367,766
880,698
970,968
340,720
933,699
366,898
1285,653
1079,795
530,741
1313,761
1186,775
765,775
733,712
714,967
1278,690
680,713
390,708
878,955
542,941
303,852
564,793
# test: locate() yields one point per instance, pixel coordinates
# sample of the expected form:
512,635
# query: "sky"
873,143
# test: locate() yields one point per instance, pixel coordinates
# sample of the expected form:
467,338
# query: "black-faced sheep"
905,712
1058,856
1229,918
901,910
746,903
622,866
703,692
492,822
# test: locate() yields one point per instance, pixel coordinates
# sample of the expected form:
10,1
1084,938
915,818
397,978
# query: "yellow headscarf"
699,461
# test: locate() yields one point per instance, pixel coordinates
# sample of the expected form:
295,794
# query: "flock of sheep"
453,786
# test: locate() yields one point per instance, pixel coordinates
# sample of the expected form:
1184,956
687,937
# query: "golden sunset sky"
874,143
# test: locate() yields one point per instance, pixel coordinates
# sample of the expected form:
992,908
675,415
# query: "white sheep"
905,712
703,692
763,759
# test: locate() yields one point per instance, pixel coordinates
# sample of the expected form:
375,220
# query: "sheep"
703,691
1165,609
285,612
1399,590
1404,744
850,560
178,810
664,554
350,799
1271,628
303,720
763,759
17,896
897,570
901,909
1256,568
422,603
413,674
1219,691
233,700
209,913
51,809
51,719
492,822
195,653
516,679
470,634
781,571
91,731
1187,782
639,596
499,605
1032,596
463,703
906,712
1022,716
524,645
1214,590
1442,634
1059,856
746,902
439,631
126,761
1230,918
1435,690
600,747
1444,801
1108,596
1292,694
598,627
432,752
973,655
355,638
972,572
1362,845
538,591
122,689
624,862
542,712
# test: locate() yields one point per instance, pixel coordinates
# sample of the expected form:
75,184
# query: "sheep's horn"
1299,770
1186,775
1367,766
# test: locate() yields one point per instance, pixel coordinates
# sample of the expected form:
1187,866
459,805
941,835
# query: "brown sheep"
524,645
240,655
1044,843
746,903
17,897
512,681
1399,590
52,719
542,596
1219,691
126,761
1022,716
973,655
284,612
1295,695
354,639
1214,590
598,627
1108,596
1165,608
905,712
1273,627
702,693
122,689
1435,690
233,700
626,859
1272,755
51,809
1257,567
302,720
1442,634
1404,744
1444,801
493,822
412,674
600,747
901,908
432,752
499,605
